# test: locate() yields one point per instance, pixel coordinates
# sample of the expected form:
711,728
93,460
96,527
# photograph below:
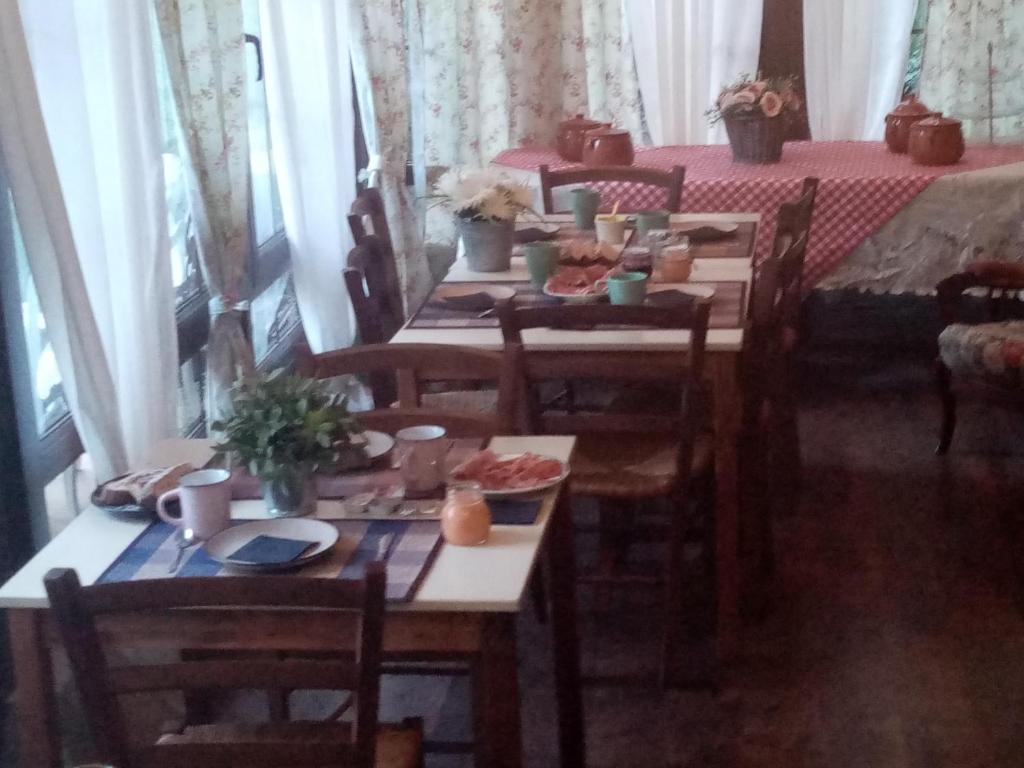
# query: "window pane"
49,403
184,255
266,205
191,387
275,313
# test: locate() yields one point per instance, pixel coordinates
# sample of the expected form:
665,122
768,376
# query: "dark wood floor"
894,639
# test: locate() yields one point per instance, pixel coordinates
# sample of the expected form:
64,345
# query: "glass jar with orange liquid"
465,516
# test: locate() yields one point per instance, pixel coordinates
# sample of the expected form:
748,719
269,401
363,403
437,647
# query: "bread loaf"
142,488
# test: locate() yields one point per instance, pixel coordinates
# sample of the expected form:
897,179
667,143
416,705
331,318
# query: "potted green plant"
282,429
486,204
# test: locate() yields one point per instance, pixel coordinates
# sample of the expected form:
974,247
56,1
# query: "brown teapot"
899,121
936,141
607,146
571,133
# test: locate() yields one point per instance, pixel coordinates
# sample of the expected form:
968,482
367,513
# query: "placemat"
727,306
411,552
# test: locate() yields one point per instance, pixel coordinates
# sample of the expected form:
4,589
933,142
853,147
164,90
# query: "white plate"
576,298
696,289
377,444
541,486
725,227
458,290
230,539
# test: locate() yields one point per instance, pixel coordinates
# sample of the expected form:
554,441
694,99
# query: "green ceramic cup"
627,288
541,260
648,220
585,203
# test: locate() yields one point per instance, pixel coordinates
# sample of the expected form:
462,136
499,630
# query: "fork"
384,547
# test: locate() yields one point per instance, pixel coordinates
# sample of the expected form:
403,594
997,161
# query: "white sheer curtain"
93,214
685,52
309,97
855,58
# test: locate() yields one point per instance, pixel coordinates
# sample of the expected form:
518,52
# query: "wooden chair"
374,290
982,341
368,208
280,617
663,189
624,458
793,223
412,367
769,445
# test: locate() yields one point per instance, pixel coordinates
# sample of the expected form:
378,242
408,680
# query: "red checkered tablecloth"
862,186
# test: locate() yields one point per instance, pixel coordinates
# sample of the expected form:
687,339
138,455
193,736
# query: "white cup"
205,498
611,229
421,463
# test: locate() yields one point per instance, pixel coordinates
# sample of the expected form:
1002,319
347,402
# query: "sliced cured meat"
496,473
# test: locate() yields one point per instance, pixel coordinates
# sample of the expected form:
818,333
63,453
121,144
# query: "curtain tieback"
221,305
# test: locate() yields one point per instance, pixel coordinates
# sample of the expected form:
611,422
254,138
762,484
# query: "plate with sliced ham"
579,284
511,474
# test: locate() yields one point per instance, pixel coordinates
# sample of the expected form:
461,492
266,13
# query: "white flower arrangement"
483,194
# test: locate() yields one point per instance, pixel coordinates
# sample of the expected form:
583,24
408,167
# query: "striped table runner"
411,550
727,306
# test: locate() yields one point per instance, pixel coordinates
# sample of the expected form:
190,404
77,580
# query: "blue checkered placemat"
411,552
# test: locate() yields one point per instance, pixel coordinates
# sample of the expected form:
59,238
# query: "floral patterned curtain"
380,60
204,43
495,75
955,71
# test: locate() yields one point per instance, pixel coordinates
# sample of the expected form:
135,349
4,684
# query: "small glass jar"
465,516
637,258
675,263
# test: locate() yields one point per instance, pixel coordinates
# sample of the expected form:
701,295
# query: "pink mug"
205,497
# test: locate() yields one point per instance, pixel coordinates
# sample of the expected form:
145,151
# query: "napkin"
514,511
270,550
470,302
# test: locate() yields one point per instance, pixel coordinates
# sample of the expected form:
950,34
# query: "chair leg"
539,595
944,382
672,610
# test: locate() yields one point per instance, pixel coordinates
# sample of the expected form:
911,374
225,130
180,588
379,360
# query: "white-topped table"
724,346
465,609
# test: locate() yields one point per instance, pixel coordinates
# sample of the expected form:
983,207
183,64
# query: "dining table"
724,266
863,189
464,610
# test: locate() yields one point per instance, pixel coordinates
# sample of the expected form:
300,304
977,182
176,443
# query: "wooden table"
465,610
724,346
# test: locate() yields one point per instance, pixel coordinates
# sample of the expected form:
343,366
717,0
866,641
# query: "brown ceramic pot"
607,146
936,141
571,133
898,122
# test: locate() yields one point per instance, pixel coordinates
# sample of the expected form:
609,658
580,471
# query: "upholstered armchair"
982,341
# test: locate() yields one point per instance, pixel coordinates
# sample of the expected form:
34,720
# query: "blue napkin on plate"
270,550
514,511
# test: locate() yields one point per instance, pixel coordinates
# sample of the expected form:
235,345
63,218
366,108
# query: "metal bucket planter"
487,245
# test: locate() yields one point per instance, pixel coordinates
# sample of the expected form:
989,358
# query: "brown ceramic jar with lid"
898,122
936,141
608,146
571,133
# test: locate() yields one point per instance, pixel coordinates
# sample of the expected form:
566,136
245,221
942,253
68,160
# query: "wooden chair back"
372,284
765,356
792,225
618,182
368,208
275,615
412,366
998,294
683,371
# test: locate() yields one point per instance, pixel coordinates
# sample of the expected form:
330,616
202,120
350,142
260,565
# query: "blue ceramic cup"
627,288
541,261
648,220
585,203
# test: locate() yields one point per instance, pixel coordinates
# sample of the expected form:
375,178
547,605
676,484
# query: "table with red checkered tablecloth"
862,186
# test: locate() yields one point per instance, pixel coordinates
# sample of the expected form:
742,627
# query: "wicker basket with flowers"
755,113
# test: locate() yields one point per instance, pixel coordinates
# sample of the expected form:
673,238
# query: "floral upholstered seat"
990,351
